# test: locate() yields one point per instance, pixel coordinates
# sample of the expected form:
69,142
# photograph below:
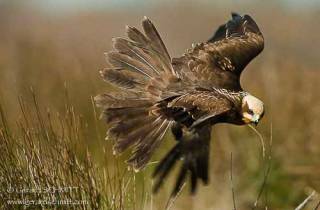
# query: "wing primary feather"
180,180
165,166
219,34
251,25
136,36
235,15
194,176
126,46
158,45
145,149
120,60
153,35
111,101
116,76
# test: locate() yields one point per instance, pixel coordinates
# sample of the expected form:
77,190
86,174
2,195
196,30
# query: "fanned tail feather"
142,66
133,126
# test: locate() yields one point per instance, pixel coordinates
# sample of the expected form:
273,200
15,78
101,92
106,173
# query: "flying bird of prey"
186,95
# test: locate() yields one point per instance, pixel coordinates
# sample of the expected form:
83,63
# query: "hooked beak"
255,120
255,123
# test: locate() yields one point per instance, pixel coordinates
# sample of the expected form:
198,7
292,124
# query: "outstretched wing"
141,67
141,63
220,61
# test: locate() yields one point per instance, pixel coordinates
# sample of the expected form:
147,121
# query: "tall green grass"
44,158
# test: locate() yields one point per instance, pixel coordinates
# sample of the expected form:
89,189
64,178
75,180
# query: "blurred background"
55,45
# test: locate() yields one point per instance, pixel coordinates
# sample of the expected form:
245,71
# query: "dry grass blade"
261,140
267,171
172,200
231,180
306,201
43,154
317,206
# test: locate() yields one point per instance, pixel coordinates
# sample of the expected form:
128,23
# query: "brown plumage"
188,95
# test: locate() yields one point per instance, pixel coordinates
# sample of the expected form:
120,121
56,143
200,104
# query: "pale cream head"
252,109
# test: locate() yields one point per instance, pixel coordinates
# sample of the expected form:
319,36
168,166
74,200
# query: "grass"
44,159
50,137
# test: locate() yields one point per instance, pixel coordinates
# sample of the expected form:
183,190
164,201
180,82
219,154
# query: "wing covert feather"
198,105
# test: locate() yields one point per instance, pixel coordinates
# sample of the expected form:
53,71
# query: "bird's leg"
177,131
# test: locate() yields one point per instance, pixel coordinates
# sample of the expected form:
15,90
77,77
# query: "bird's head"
252,110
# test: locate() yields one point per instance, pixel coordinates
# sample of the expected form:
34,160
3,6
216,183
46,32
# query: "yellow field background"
59,53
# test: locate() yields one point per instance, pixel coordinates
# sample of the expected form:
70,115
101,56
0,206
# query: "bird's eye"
250,112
